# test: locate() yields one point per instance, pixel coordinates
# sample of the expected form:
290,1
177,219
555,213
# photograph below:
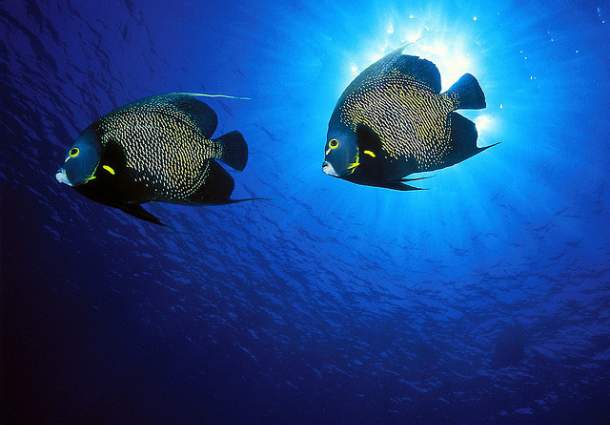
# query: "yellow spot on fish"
109,169
353,165
370,153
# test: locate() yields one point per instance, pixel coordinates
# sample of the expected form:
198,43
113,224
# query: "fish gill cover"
483,300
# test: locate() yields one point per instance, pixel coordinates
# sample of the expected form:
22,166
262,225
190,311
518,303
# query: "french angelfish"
393,120
156,149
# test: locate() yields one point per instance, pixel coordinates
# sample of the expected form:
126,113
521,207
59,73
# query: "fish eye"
74,152
333,144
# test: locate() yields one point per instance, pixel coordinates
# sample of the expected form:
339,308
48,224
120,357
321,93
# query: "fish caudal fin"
234,150
467,93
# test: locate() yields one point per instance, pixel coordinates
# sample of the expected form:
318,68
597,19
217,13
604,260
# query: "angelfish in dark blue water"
393,120
157,149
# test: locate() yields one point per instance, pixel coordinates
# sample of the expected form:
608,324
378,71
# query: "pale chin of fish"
62,177
329,170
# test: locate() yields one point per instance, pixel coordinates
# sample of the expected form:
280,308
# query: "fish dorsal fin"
421,70
198,112
183,107
414,67
195,111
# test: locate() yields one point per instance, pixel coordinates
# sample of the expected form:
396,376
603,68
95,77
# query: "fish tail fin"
467,93
234,150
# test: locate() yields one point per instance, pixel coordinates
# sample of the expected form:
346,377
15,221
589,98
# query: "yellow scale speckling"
165,149
411,120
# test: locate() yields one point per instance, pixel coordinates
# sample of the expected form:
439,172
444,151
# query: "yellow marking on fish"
109,169
370,153
352,166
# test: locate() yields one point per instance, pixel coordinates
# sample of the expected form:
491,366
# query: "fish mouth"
61,177
328,169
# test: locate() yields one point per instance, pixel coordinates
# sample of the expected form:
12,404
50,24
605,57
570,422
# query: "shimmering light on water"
485,123
449,48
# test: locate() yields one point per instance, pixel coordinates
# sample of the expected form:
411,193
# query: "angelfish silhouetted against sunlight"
392,121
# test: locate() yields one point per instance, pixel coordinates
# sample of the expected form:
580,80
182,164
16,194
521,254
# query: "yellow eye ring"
333,144
74,152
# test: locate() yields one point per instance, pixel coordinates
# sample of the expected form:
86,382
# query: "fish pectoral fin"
138,211
388,184
368,140
399,185
371,162
414,179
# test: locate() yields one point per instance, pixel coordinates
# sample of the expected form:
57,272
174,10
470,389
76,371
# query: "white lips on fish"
328,169
62,177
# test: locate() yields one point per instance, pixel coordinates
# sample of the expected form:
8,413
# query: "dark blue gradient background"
485,300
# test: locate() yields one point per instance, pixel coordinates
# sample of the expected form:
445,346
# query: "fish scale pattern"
168,152
411,120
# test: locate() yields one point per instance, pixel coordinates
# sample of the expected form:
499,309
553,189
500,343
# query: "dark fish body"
160,149
400,123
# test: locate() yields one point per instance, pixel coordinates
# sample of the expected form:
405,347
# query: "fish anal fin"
217,187
463,139
138,211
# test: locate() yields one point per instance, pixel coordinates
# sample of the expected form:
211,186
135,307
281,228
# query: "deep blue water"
484,300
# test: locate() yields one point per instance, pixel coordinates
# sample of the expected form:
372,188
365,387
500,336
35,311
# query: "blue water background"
484,300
